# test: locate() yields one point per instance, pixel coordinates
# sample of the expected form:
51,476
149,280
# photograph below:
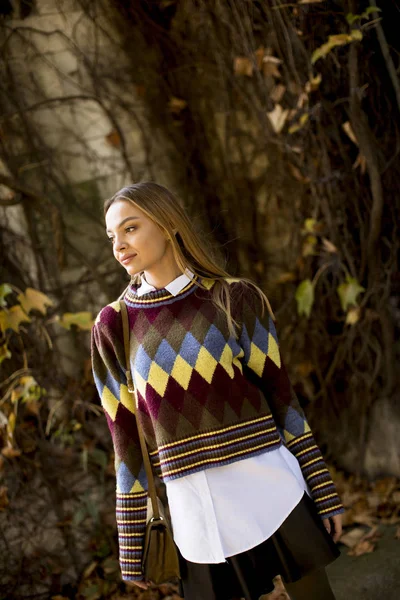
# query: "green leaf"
4,291
348,292
27,390
351,18
305,297
82,320
99,457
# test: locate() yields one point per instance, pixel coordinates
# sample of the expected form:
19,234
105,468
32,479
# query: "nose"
119,244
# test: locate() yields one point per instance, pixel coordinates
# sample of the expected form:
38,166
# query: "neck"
161,275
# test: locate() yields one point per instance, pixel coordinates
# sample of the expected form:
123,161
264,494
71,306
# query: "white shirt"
209,509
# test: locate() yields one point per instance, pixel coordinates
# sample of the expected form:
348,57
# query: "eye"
111,240
131,228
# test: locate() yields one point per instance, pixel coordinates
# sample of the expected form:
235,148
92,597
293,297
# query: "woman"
248,491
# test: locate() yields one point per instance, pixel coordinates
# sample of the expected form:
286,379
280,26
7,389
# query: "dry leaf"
301,100
113,138
176,105
361,162
243,66
3,497
297,174
347,128
277,92
270,66
277,117
313,83
259,54
285,277
9,452
89,570
363,547
305,368
328,246
352,537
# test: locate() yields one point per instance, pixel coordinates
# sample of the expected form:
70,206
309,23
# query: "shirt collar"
173,287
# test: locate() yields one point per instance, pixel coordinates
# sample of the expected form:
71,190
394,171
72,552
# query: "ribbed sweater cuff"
131,512
316,474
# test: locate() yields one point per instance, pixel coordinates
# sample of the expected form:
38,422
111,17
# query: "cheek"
152,244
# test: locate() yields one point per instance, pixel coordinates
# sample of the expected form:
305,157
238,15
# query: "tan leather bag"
160,562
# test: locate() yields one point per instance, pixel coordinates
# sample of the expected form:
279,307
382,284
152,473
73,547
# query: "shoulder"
250,296
109,314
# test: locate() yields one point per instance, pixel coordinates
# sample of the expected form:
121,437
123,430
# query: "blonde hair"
165,209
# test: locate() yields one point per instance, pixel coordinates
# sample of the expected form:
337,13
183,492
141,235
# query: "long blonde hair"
189,251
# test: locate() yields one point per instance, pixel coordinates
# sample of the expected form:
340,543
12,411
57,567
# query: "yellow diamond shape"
257,359
182,372
206,364
140,384
109,402
273,351
226,361
157,378
127,398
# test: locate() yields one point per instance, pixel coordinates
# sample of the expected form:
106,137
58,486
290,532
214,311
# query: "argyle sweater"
204,398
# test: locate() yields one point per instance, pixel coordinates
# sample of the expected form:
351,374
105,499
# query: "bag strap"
132,391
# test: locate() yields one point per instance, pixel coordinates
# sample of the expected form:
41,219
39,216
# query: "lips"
128,258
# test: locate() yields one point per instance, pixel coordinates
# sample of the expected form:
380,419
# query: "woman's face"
138,243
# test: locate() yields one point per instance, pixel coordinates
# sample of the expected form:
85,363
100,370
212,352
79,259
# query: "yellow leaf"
82,320
11,423
300,123
26,390
309,245
349,291
34,300
313,83
340,39
12,318
353,315
4,353
305,297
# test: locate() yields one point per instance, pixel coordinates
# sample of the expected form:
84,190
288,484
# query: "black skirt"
300,546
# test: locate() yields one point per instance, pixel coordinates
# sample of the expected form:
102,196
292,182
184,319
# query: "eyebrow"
122,222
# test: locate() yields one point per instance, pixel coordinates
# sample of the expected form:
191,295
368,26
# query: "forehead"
120,210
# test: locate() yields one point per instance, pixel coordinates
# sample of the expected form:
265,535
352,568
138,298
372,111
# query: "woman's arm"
264,366
131,480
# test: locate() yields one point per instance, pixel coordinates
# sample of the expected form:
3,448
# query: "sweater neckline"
154,297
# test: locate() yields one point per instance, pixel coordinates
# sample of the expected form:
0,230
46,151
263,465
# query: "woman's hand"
333,525
143,584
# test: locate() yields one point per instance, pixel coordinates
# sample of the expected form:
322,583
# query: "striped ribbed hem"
316,474
131,513
215,448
